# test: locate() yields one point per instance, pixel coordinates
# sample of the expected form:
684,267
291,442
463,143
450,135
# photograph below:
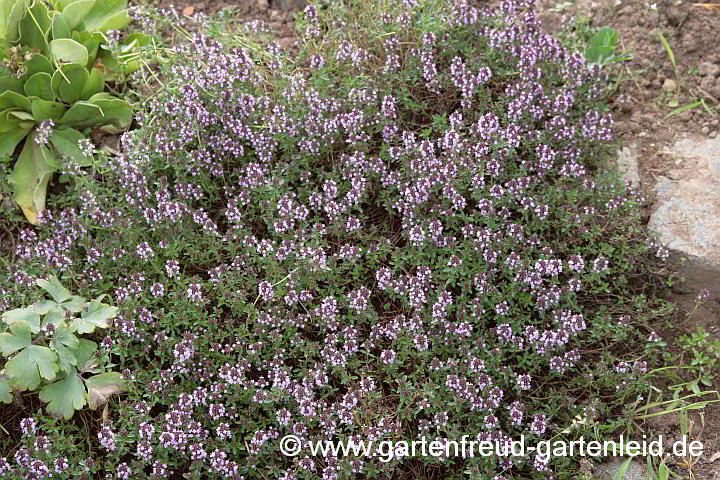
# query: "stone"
686,216
636,470
669,85
288,4
707,83
708,69
674,16
627,163
705,130
263,4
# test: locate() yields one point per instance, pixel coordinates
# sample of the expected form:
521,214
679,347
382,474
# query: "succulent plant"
53,86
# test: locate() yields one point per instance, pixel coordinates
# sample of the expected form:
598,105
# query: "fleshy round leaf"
8,122
35,27
18,338
100,110
67,50
95,84
12,17
65,140
5,9
68,82
63,4
39,63
64,396
39,86
10,99
26,370
44,110
19,114
9,140
81,115
10,82
91,41
106,15
101,386
30,178
76,11
60,27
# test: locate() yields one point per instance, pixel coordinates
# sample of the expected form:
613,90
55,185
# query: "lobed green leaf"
53,287
23,315
26,370
18,338
64,396
96,316
5,390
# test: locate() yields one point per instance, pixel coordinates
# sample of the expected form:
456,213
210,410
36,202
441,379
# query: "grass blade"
620,474
669,51
684,108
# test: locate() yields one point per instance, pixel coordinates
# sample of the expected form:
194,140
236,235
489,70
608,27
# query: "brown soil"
649,83
690,314
278,14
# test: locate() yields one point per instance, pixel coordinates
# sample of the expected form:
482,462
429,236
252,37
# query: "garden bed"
402,226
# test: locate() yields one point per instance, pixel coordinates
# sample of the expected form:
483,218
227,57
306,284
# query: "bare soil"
704,424
278,14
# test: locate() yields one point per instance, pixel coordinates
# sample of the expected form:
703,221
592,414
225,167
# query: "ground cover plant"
400,230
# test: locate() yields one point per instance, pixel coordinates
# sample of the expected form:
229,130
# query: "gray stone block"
288,4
